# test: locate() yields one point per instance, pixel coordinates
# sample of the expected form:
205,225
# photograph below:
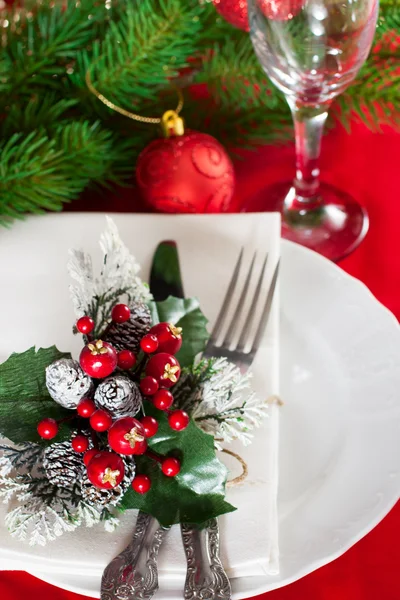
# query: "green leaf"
197,493
24,399
185,313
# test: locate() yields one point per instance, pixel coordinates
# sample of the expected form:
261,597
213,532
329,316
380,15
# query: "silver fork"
206,577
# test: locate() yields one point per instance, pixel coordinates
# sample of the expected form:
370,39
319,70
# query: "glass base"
334,228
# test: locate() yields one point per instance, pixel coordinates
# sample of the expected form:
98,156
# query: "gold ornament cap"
172,124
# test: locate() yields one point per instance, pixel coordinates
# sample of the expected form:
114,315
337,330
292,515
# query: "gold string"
127,113
245,470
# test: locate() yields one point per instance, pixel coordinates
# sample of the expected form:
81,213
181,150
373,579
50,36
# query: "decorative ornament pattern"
191,173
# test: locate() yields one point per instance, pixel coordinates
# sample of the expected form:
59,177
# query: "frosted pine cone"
119,395
63,466
128,335
67,383
101,498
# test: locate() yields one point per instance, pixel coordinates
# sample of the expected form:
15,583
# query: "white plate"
340,426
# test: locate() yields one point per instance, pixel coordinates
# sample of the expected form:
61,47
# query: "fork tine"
267,310
226,303
244,336
239,307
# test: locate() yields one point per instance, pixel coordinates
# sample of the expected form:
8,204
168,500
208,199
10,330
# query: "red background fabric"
366,165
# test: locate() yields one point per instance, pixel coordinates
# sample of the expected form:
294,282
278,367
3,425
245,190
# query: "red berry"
169,337
141,484
86,408
178,420
80,443
87,457
98,359
163,399
164,368
150,426
127,436
100,420
105,470
120,313
47,429
170,467
149,343
85,325
149,386
126,359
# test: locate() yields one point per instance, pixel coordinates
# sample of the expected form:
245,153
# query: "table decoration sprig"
134,423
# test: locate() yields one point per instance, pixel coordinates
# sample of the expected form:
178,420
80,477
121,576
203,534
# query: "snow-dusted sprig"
44,511
24,458
119,278
222,403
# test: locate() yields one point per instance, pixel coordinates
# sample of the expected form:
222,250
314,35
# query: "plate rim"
272,582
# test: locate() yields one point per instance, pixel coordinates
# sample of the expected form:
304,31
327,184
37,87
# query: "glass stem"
309,125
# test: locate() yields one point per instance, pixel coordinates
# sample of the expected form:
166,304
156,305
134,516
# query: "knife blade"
205,575
165,275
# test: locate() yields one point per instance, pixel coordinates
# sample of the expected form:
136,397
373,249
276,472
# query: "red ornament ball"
150,426
86,408
120,313
191,173
126,360
100,420
164,368
80,443
149,386
170,467
127,436
47,429
105,470
169,337
85,325
163,399
149,343
178,420
280,10
141,484
98,359
87,457
234,11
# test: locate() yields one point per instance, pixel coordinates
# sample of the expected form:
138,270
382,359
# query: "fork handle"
133,575
206,577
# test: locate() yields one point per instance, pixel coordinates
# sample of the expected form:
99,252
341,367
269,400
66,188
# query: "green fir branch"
56,138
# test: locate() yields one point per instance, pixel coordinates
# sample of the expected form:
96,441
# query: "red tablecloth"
367,165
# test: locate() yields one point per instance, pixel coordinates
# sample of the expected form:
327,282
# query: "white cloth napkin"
35,284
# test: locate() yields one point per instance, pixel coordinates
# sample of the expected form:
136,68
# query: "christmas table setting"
188,410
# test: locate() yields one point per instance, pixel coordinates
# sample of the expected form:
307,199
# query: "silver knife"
206,577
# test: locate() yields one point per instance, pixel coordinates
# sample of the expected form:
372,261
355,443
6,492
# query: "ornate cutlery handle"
133,574
206,577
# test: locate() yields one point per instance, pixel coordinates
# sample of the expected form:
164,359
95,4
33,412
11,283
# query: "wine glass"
312,50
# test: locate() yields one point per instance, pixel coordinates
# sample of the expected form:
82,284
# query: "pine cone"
63,466
128,335
102,498
119,395
67,383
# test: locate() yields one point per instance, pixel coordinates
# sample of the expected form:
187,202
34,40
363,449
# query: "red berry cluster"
163,371
157,370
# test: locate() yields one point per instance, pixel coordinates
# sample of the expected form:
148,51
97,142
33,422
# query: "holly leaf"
197,493
24,399
185,313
